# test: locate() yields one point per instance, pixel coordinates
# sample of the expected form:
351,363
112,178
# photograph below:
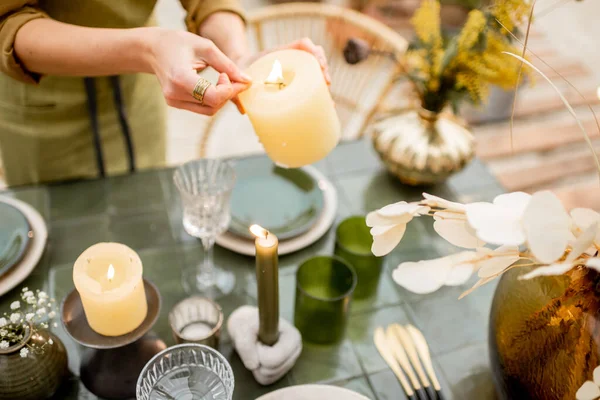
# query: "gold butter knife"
386,353
400,354
422,349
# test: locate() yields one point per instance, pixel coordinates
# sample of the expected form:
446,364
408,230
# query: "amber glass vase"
544,334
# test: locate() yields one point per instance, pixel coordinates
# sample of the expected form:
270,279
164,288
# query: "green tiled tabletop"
143,211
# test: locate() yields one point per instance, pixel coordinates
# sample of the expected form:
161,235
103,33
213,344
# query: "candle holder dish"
101,354
196,320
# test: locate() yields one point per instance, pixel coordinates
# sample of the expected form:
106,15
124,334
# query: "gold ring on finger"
200,89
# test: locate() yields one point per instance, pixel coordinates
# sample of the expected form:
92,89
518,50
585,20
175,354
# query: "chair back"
356,89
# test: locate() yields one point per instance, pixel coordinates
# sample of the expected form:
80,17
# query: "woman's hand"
177,56
304,44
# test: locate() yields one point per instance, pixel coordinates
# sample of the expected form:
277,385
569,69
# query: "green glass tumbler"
353,244
324,287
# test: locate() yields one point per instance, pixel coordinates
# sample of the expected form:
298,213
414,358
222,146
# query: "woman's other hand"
304,44
175,57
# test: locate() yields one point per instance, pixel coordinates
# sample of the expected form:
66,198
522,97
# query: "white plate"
330,201
313,392
23,269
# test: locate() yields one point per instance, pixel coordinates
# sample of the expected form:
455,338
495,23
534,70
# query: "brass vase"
421,147
37,376
544,334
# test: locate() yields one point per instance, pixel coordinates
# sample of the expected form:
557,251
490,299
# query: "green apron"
46,130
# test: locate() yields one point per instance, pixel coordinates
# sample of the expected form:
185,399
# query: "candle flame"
276,74
110,274
259,231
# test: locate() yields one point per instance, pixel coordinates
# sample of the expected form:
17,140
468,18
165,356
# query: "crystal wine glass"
186,372
205,187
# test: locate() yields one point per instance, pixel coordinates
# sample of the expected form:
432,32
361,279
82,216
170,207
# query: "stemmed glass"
205,188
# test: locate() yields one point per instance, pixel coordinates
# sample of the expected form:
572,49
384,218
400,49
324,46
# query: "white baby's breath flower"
41,302
25,289
24,351
29,317
42,295
3,322
52,314
50,341
3,332
388,224
4,345
41,311
15,305
30,300
28,294
15,317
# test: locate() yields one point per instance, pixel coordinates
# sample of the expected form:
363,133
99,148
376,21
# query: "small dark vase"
37,376
544,334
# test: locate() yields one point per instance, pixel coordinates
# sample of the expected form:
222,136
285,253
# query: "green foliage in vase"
448,69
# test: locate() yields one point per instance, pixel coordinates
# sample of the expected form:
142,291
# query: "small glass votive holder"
324,287
197,320
353,243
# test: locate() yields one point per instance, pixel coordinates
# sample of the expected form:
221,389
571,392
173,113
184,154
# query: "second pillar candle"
267,281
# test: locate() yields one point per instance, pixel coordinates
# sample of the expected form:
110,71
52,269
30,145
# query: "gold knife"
386,353
423,350
402,335
400,354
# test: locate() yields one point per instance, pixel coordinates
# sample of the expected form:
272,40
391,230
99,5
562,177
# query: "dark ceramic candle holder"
110,365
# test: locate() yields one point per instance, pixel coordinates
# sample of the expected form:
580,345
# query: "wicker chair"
357,89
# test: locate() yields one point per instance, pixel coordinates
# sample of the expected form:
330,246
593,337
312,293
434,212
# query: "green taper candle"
267,282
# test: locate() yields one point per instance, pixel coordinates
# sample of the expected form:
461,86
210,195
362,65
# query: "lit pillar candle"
108,277
291,109
267,282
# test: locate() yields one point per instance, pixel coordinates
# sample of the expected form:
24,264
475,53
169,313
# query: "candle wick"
281,85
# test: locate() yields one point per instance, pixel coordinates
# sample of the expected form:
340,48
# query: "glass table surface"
143,211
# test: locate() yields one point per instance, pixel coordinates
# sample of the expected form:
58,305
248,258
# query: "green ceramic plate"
287,202
14,237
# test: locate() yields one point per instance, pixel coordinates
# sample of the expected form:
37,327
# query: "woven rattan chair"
357,89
